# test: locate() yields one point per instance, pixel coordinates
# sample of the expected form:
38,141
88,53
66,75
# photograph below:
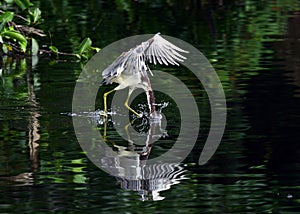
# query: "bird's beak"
103,82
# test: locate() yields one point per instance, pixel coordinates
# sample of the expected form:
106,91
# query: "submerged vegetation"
21,33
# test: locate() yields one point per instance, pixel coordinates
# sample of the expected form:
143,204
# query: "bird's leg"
104,99
130,109
127,106
150,100
130,142
104,131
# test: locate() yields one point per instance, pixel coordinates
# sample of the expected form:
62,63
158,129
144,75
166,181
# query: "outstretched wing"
129,62
154,50
163,52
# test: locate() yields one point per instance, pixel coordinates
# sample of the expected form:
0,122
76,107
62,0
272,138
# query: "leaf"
23,4
4,48
96,49
34,47
14,35
11,34
9,1
9,47
53,49
85,44
36,15
6,17
23,46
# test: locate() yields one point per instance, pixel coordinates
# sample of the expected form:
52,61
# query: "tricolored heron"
130,68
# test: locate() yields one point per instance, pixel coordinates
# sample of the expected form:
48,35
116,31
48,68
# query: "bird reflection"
130,163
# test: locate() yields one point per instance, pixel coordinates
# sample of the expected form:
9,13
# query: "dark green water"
254,47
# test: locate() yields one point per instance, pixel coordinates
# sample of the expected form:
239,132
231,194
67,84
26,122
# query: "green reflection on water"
238,39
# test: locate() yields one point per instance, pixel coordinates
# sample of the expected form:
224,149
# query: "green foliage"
86,50
17,36
19,32
6,17
87,43
16,31
54,49
36,14
23,4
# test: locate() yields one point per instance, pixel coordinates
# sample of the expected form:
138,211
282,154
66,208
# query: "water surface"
254,47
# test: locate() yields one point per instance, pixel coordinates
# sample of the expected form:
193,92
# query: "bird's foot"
138,115
104,113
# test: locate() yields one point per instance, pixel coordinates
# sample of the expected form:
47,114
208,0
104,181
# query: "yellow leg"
104,131
130,109
104,99
130,142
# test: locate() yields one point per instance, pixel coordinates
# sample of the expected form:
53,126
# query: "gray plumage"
130,68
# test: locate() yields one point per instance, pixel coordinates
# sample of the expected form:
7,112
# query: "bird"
130,69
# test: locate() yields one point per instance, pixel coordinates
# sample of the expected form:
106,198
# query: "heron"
130,68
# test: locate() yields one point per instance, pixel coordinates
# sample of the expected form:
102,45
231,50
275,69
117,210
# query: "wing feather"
163,51
155,50
169,57
131,61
